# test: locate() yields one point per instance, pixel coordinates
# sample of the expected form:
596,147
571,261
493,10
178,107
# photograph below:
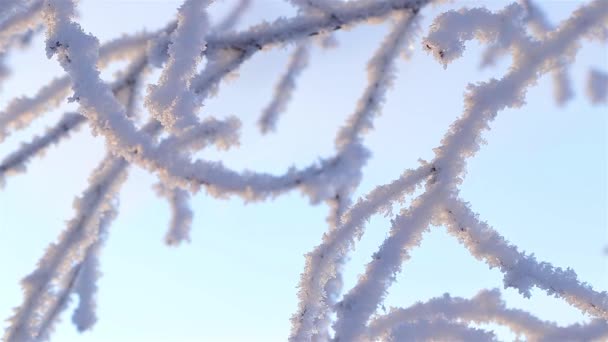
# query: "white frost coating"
76,51
536,20
16,161
82,231
245,44
484,100
562,89
521,271
223,134
181,219
219,64
21,111
381,70
22,20
317,287
504,31
170,101
315,6
9,7
381,75
284,88
482,104
597,86
235,15
126,46
284,30
312,319
331,180
438,330
47,289
85,286
158,49
80,280
452,29
487,307
362,300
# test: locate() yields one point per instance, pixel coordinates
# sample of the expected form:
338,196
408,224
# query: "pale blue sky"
541,182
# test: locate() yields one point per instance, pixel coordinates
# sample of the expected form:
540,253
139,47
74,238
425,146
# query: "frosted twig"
170,101
438,330
82,281
286,30
486,307
381,75
23,110
232,19
284,88
181,220
324,264
521,271
482,105
60,257
16,161
597,86
22,19
69,266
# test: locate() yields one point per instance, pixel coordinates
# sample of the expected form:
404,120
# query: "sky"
541,181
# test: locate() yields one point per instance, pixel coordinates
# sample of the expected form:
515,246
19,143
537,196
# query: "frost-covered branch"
461,142
381,74
21,19
194,58
437,330
284,88
286,30
16,161
41,285
521,271
486,307
170,101
82,281
21,111
597,86
235,15
317,288
181,220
